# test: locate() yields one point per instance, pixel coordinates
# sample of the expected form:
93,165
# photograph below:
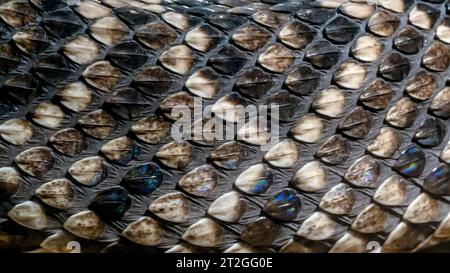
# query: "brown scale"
276,58
69,141
156,35
98,124
383,23
153,81
102,75
377,95
421,86
17,13
251,37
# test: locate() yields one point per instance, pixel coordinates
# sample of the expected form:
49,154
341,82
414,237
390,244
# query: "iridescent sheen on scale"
285,205
411,162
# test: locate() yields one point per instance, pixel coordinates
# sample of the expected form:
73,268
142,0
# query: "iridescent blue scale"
438,181
411,162
263,184
112,203
430,133
143,179
231,164
285,205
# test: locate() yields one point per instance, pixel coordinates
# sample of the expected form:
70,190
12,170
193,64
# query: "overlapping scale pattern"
88,89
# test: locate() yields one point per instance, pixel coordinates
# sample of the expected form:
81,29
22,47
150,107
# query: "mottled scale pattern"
86,93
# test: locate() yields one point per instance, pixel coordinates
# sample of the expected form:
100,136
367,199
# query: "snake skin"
86,93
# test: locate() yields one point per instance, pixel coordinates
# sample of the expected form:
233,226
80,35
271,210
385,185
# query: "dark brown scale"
341,30
69,141
303,80
112,203
289,106
48,5
335,150
108,30
31,40
228,60
9,58
383,23
203,38
153,81
251,37
175,155
315,15
128,55
377,95
436,58
323,55
421,86
403,113
248,9
270,19
151,129
430,133
23,88
394,67
102,75
357,124
62,23
192,3
98,124
127,103
205,10
286,6
17,13
339,200
36,161
254,83
134,17
156,35
228,156
52,68
261,232
296,35
180,100
409,41
226,21
276,58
